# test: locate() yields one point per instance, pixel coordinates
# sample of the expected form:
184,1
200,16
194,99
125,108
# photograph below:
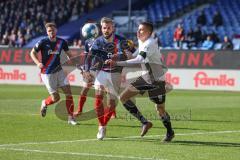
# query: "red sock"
69,105
108,113
81,101
99,109
49,101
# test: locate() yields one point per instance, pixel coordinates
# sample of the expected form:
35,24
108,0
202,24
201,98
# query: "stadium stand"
159,11
21,20
231,25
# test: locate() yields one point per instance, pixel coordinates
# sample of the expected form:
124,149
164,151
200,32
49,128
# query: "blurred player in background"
108,79
89,79
52,73
152,80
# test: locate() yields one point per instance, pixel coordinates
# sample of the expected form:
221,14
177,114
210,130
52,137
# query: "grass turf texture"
206,125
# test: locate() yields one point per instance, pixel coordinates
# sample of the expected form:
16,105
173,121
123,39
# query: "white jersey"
152,68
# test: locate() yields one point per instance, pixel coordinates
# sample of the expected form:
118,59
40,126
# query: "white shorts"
54,81
110,81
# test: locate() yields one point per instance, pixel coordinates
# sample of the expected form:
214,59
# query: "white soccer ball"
90,30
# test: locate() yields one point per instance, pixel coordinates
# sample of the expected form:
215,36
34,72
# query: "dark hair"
50,24
148,25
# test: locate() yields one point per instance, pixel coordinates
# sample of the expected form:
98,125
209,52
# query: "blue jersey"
87,47
103,50
50,52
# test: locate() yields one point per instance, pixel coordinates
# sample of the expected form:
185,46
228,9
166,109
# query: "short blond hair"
106,20
50,24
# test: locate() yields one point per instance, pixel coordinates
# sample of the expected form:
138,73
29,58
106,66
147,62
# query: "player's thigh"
66,90
100,81
128,93
114,84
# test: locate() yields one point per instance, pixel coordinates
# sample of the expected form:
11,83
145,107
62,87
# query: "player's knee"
56,98
112,103
69,97
160,99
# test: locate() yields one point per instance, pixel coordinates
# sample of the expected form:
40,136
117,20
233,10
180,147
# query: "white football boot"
101,132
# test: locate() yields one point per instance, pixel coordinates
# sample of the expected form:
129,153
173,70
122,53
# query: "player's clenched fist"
40,65
110,62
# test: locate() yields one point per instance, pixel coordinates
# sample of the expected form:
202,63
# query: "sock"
132,108
69,105
81,101
167,123
49,101
108,113
99,109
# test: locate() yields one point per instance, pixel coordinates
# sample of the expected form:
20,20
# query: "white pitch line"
81,154
129,137
20,114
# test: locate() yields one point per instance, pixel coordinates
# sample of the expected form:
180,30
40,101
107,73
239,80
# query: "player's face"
51,32
143,33
107,30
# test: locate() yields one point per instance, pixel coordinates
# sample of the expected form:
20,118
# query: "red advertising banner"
210,59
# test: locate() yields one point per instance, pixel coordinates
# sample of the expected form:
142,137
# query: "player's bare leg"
125,98
166,122
69,104
53,98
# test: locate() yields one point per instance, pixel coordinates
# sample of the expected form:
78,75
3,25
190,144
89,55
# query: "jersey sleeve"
65,46
38,46
86,47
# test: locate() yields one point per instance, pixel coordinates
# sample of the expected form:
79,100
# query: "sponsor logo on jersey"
53,52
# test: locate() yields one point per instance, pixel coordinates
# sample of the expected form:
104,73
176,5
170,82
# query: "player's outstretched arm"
74,60
33,55
128,63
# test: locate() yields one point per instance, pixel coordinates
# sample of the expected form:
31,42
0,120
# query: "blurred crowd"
22,20
196,39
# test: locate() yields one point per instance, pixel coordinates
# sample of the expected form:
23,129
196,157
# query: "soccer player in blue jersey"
52,73
108,79
88,80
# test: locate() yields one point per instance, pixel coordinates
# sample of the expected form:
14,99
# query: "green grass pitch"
206,123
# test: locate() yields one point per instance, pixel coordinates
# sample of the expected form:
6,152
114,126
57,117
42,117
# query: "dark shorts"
156,91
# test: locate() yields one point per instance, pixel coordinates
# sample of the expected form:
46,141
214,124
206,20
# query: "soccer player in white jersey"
152,80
